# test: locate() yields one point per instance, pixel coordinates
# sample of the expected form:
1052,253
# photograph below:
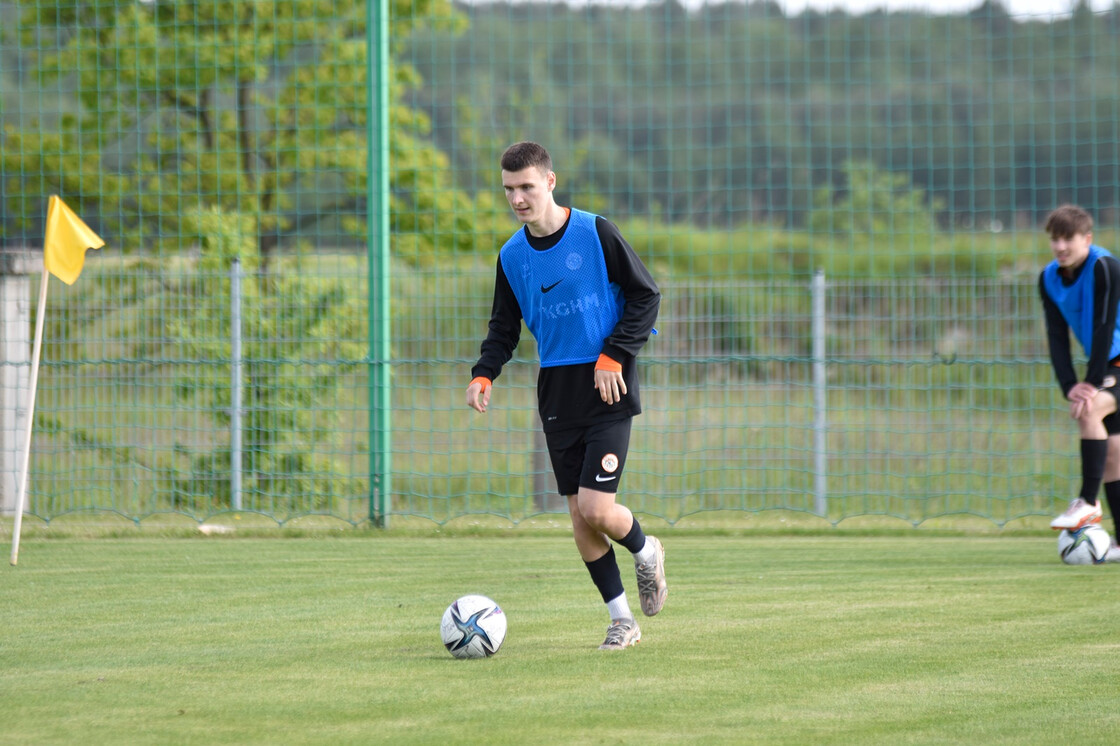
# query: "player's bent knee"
1103,405
594,516
1090,419
596,507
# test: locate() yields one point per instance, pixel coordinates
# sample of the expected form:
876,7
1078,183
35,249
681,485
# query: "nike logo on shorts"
546,289
601,478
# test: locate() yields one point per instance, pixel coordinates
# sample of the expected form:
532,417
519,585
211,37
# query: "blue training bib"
1075,301
568,304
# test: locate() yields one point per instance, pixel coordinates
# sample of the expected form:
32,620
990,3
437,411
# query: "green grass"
766,638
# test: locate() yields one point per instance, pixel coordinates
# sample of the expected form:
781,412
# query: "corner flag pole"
64,254
25,457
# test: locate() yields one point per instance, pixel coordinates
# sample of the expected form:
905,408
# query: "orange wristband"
608,364
486,382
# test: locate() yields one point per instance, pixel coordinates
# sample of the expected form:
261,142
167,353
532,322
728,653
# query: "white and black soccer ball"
1085,546
473,627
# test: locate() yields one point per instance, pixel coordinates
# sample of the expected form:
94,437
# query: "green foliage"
755,250
873,203
301,335
258,109
723,116
734,113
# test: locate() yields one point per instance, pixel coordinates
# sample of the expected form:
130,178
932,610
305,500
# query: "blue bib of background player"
1076,301
567,301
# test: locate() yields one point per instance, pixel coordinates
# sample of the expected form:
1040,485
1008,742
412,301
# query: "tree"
224,131
255,108
301,334
873,202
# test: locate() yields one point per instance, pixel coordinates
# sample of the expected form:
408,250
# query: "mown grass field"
811,637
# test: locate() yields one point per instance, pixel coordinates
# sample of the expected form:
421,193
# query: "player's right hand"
478,394
1081,398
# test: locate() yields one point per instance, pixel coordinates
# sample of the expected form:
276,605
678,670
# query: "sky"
1014,7
1042,9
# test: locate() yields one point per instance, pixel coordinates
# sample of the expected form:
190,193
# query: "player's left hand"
478,394
610,384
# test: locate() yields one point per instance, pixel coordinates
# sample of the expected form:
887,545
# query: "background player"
1080,291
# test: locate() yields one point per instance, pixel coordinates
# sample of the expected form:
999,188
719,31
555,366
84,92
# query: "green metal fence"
842,211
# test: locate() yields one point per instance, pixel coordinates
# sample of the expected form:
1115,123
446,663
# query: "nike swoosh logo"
601,478
546,289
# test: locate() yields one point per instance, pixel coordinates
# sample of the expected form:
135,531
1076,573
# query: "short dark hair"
522,155
1068,221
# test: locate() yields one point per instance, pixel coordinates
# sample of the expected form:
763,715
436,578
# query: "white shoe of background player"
1078,515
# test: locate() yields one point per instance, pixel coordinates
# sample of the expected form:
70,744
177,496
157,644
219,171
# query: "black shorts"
591,456
1111,384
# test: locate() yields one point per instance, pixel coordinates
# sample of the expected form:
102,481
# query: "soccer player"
1081,292
591,304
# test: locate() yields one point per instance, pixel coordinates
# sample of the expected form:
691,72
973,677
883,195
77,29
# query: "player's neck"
553,220
1072,271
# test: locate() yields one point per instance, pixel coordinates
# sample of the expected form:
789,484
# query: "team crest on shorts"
1108,382
609,463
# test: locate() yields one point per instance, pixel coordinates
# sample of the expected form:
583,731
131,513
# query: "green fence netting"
842,209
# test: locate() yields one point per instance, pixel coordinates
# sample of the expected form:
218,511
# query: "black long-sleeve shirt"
566,394
1106,298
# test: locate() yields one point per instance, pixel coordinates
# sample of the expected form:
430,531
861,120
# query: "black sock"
605,576
1112,492
1093,455
635,540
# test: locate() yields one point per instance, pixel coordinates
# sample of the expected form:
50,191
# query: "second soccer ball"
1085,546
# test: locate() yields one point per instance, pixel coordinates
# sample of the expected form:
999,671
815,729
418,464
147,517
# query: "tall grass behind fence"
940,401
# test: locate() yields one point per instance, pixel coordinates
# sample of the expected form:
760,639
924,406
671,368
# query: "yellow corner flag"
64,250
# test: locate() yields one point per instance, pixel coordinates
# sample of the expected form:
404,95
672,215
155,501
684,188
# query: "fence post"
235,385
377,253
15,364
820,395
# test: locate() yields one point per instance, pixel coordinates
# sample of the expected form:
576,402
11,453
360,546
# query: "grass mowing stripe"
764,639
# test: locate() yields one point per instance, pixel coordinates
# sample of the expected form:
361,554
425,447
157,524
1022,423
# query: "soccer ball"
1085,546
473,627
